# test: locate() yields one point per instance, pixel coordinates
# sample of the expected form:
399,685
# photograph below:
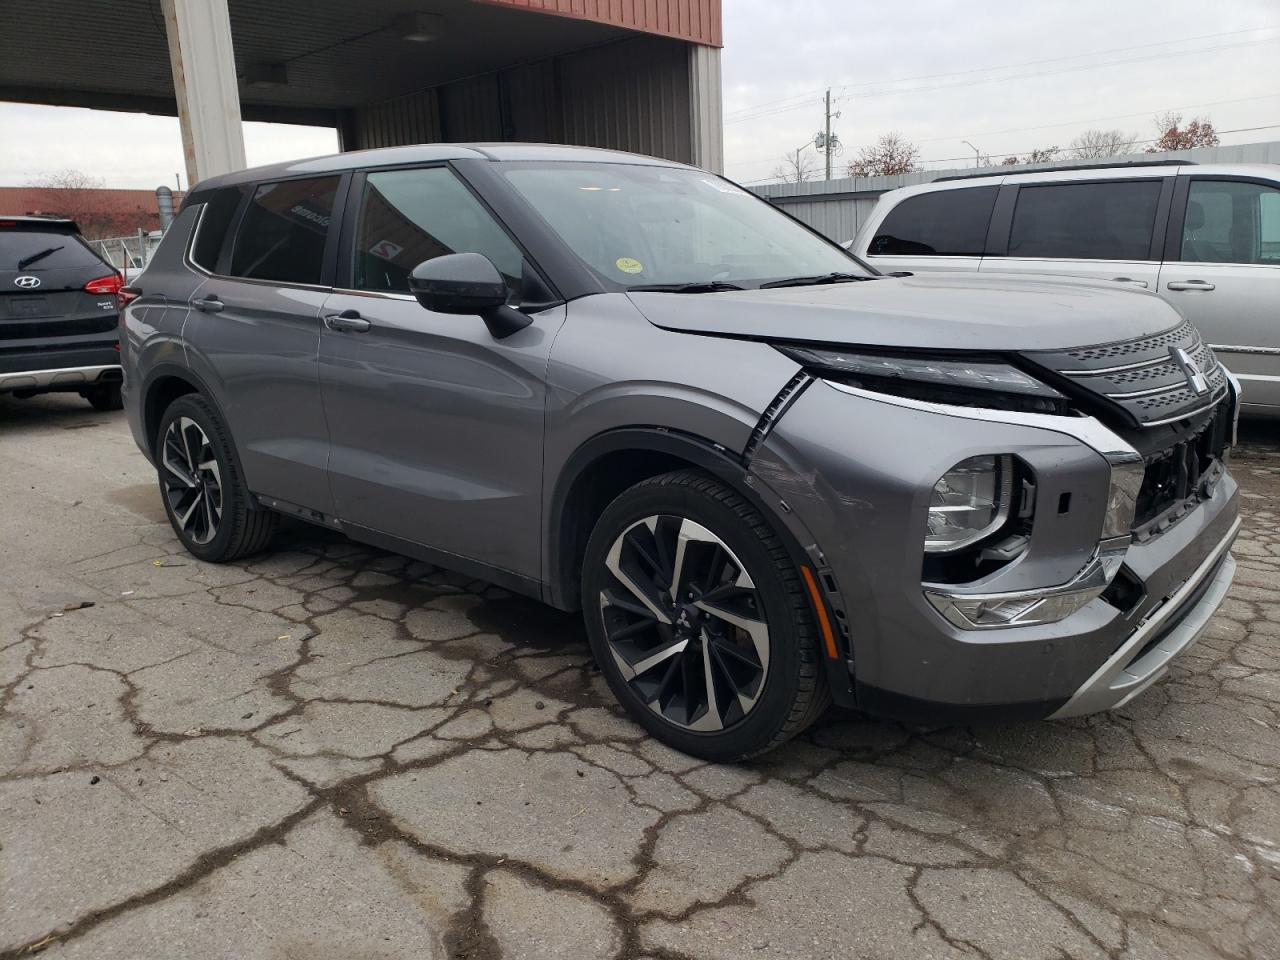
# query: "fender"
562,590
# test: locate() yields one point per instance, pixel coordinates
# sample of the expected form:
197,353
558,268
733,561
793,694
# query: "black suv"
58,313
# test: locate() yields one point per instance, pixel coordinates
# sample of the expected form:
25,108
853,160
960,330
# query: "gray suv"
767,475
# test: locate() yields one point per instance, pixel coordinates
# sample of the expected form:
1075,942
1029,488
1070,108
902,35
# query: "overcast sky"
1007,76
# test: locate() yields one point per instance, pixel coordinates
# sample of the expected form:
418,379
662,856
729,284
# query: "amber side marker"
824,622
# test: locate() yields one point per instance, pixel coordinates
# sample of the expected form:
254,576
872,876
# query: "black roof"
426,153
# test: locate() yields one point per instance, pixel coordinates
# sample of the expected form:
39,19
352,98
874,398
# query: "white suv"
1205,237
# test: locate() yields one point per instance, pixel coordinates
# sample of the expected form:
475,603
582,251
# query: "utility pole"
826,143
977,154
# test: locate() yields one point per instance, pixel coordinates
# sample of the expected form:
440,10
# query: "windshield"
641,226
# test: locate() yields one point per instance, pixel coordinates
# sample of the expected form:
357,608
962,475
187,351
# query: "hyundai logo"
1191,370
27,283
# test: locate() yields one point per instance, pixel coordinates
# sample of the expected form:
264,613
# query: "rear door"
254,334
45,309
1110,229
1223,271
937,230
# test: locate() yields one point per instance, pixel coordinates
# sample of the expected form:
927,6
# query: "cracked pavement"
330,751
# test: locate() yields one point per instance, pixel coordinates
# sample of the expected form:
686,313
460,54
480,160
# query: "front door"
436,426
1224,273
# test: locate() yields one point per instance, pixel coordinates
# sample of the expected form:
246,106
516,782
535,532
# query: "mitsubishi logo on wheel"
27,282
1191,370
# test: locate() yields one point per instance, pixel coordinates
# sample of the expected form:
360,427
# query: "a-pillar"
204,79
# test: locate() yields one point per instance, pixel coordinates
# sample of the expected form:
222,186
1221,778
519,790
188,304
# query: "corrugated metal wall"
838,208
696,20
411,119
629,96
632,95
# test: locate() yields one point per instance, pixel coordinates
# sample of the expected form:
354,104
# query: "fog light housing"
970,502
1024,608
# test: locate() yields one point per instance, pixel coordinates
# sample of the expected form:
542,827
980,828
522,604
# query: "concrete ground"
330,751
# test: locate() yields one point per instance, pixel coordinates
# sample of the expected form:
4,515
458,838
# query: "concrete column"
707,107
204,79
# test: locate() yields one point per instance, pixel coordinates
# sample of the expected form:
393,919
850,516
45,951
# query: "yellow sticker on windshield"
628,265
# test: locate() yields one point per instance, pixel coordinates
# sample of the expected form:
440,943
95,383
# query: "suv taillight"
111,283
126,296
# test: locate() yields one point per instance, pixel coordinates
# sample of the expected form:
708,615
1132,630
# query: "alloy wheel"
192,480
684,623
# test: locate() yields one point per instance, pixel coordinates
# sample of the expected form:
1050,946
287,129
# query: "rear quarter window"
215,220
945,223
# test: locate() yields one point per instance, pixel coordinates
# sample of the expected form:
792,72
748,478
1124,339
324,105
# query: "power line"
1066,123
1267,126
1007,66
754,112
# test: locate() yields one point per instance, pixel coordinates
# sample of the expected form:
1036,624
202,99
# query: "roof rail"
1065,168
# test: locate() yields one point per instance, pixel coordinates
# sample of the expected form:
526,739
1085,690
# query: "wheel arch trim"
560,588
169,370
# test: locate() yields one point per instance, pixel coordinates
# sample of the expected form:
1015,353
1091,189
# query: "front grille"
1140,377
1179,476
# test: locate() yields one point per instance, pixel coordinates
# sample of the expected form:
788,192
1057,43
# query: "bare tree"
796,168
892,153
70,193
1038,155
1174,136
1093,144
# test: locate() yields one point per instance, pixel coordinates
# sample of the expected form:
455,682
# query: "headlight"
950,381
970,502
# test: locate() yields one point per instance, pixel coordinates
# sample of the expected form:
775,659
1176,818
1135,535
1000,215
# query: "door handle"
1136,283
348,321
1202,285
209,304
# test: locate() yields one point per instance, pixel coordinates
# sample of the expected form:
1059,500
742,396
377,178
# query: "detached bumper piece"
1171,629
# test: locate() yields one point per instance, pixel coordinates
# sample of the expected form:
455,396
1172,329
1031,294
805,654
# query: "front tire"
698,618
205,498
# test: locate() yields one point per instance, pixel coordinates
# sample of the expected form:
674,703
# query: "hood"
937,311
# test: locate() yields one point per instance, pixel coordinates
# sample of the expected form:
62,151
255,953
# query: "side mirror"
467,283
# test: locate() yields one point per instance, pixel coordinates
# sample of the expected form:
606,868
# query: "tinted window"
218,211
1229,222
949,223
413,215
58,249
1107,220
283,232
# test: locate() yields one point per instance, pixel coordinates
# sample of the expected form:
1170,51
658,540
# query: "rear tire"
104,397
699,620
204,494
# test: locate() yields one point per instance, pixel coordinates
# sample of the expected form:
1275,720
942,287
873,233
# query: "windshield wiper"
697,286
815,281
28,261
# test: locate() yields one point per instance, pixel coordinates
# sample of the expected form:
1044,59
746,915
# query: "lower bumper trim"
59,377
1126,674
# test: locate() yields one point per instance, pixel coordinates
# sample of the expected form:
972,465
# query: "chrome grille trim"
1152,387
